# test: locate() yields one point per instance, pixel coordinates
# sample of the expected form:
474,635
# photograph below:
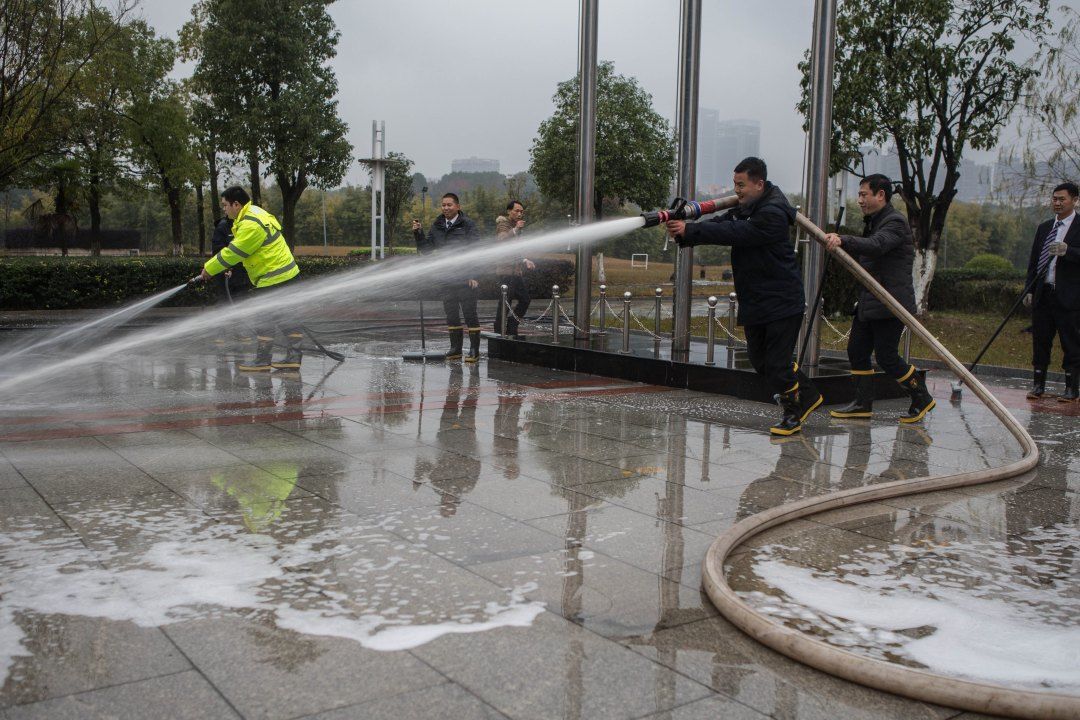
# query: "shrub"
56,283
987,262
976,290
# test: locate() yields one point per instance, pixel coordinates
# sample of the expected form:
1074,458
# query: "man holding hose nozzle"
258,244
767,282
450,232
1053,280
886,250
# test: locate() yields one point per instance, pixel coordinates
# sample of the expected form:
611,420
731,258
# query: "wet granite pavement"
381,539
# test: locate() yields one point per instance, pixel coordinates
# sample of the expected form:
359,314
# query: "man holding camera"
767,282
1053,278
511,273
451,231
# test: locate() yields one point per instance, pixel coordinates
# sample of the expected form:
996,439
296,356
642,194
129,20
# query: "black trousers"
771,347
276,320
517,294
880,339
1049,318
459,300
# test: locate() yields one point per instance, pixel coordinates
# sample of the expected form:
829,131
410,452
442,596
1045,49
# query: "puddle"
1006,612
318,576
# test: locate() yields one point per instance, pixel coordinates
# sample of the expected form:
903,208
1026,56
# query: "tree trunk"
94,201
173,194
290,195
61,210
922,272
215,193
254,178
201,213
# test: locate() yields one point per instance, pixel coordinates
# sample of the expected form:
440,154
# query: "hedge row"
963,289
56,283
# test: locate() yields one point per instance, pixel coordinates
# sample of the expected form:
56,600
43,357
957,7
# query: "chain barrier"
735,338
571,322
641,325
842,336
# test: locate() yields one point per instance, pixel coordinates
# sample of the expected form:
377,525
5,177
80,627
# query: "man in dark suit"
1054,280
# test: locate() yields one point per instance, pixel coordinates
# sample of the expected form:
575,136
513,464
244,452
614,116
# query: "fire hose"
973,695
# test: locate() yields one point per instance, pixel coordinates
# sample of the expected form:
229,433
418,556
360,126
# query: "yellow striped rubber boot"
473,355
863,404
293,354
264,353
457,336
921,400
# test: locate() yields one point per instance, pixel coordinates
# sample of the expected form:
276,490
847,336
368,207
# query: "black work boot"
1038,384
810,398
457,335
863,404
1072,388
791,414
293,353
921,400
473,355
264,353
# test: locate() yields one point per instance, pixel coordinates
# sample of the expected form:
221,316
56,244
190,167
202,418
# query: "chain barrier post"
556,314
626,322
656,319
732,304
710,347
505,309
603,311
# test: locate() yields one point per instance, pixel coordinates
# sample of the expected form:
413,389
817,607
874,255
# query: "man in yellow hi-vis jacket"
258,244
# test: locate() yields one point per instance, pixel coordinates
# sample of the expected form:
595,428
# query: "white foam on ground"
154,567
977,610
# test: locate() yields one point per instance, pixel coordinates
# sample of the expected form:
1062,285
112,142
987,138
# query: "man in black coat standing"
886,250
1054,280
450,232
767,283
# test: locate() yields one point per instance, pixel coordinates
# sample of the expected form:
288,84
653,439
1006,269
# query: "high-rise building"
474,165
721,145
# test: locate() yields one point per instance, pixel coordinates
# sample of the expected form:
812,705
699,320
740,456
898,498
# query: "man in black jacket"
1054,279
886,250
453,231
767,283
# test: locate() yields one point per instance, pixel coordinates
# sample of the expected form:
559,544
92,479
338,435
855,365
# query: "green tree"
44,47
934,78
635,146
265,69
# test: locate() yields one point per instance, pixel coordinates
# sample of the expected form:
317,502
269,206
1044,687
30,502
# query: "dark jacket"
763,261
886,250
222,236
1067,271
459,236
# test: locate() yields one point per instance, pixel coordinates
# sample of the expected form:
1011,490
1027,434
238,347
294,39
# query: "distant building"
721,145
976,182
474,165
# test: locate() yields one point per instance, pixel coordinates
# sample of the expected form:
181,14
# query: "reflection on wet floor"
388,539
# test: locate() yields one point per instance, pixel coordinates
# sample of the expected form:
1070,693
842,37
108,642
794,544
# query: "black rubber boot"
810,398
293,354
264,353
1072,388
457,335
1038,384
791,414
473,355
921,400
863,404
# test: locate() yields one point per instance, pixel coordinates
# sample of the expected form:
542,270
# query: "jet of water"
371,281
95,328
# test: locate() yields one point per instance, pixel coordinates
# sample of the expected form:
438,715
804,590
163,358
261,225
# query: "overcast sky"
475,77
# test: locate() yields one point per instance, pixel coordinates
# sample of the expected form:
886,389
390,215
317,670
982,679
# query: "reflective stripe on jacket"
258,244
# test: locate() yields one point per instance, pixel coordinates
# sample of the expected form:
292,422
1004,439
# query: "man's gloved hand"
1028,300
1058,248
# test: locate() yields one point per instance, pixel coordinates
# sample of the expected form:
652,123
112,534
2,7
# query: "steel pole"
685,185
822,51
586,170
